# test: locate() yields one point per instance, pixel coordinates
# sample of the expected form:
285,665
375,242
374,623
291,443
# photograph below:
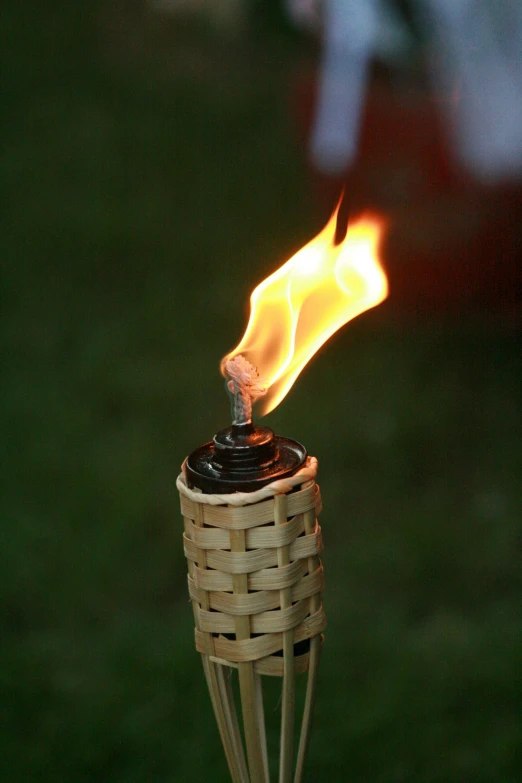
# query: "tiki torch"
250,503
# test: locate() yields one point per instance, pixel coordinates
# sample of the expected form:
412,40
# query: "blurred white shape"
478,61
478,58
350,29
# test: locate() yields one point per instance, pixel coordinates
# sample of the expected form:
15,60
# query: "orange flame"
295,310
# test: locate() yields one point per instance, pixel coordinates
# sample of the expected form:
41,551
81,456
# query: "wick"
343,218
245,386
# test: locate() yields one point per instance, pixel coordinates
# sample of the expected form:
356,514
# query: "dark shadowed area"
154,172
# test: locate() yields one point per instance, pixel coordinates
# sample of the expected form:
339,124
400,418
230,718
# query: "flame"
295,310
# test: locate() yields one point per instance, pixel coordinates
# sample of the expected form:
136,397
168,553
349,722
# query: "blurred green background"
152,177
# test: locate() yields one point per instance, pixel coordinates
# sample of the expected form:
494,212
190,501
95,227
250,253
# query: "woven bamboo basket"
256,581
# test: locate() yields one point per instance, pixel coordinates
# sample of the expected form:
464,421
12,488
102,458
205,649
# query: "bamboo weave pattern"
255,582
265,579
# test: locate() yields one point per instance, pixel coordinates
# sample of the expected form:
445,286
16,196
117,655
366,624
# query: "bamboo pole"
313,665
229,708
250,690
223,705
255,583
286,750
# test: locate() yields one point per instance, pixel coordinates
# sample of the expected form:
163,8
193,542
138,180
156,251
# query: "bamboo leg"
229,708
223,708
313,665
261,720
306,726
255,738
233,753
286,751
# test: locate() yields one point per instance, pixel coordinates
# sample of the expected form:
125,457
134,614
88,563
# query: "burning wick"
245,386
342,220
334,278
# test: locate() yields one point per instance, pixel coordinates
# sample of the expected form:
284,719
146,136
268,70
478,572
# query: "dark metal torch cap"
243,458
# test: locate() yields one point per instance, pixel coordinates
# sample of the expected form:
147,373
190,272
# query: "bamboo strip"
286,749
229,708
241,650
271,665
315,650
255,738
266,579
256,538
257,559
244,517
213,673
277,620
261,721
260,601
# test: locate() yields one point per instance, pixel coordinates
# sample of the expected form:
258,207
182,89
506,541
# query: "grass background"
151,179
